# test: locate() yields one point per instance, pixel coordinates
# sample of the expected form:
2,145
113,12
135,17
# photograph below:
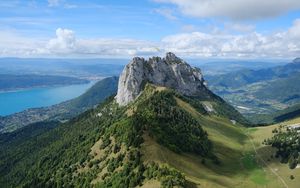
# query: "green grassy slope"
266,152
238,166
244,160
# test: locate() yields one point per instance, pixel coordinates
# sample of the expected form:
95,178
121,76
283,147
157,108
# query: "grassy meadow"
244,161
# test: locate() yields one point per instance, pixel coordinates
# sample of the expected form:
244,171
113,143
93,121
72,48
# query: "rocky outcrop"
170,71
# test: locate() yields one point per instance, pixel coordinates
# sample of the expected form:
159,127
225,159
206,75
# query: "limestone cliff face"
170,71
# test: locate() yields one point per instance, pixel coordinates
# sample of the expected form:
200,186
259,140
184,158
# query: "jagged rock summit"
170,71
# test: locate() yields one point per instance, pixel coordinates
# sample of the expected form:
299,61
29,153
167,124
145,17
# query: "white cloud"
64,42
168,13
53,3
14,45
235,9
251,45
284,44
237,27
294,31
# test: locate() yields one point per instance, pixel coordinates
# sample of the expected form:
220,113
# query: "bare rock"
170,71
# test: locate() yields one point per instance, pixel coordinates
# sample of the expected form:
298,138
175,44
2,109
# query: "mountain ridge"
248,76
262,91
108,139
110,145
173,73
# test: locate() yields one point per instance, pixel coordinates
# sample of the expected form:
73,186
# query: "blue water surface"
16,101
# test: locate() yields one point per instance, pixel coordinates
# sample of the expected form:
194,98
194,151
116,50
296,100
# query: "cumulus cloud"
284,44
235,9
251,45
64,42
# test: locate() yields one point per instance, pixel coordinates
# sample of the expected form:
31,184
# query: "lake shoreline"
12,102
40,87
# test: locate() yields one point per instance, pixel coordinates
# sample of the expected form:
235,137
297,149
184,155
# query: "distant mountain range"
260,91
219,67
276,117
10,82
249,76
64,67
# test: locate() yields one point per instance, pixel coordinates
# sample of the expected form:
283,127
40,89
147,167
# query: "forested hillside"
103,145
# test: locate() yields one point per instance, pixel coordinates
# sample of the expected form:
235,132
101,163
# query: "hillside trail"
264,162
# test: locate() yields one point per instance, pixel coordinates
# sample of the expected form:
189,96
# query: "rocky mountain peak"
171,57
170,71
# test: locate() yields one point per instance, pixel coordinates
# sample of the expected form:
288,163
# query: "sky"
239,29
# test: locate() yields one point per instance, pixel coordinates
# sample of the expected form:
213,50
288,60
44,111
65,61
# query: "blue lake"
16,101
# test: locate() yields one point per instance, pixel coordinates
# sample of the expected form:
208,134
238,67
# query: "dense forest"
101,147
